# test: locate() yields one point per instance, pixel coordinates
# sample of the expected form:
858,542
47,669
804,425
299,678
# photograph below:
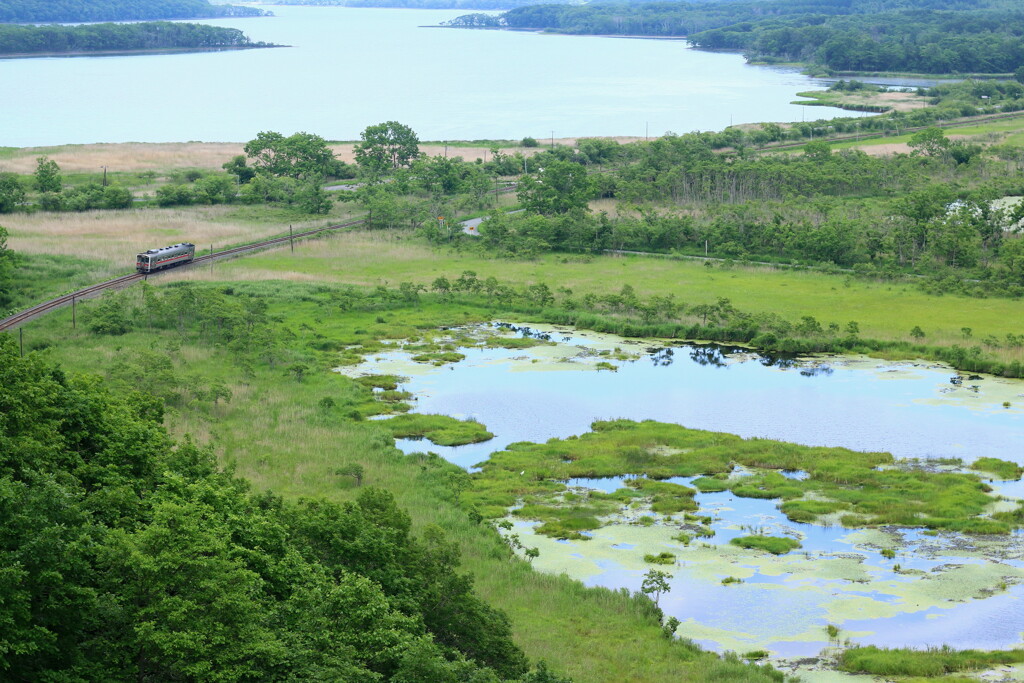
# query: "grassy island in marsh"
857,489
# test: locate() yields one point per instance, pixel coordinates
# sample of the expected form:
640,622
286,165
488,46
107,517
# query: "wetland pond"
886,586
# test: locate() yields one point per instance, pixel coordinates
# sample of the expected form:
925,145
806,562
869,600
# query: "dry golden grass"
115,236
129,156
144,156
885,150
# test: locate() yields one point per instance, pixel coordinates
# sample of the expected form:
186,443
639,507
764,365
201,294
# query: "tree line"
45,11
158,35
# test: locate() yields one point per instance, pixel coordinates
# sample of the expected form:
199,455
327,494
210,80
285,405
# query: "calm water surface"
349,68
908,408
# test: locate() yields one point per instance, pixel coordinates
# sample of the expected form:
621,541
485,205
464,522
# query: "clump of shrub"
439,429
660,558
1003,469
931,662
776,545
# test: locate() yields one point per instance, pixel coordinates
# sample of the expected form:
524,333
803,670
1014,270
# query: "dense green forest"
922,41
44,11
928,36
127,556
156,35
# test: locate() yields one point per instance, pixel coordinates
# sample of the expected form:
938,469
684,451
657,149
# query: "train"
165,257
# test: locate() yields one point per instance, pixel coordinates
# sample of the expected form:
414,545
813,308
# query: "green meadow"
883,310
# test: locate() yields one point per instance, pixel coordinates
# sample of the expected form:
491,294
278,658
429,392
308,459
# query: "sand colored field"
140,156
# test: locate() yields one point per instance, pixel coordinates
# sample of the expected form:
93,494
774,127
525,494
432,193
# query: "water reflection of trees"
708,355
777,361
524,331
661,357
790,362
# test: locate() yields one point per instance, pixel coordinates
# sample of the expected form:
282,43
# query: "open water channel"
947,588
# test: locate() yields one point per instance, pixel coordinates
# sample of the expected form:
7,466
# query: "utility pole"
74,321
291,238
104,175
21,340
552,139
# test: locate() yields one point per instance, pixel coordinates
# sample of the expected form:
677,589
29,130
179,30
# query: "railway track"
119,282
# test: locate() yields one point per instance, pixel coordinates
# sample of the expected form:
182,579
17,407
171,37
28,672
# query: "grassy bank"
274,427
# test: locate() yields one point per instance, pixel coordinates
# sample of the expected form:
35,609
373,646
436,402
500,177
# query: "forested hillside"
158,35
921,41
928,36
127,556
43,11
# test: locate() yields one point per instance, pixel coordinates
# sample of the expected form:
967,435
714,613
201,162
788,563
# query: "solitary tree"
931,142
386,146
301,156
47,175
656,583
558,188
354,470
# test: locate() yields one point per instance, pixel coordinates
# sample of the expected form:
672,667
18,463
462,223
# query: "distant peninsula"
81,11
33,28
138,38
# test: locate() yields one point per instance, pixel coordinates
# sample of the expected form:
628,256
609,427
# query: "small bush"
776,545
660,558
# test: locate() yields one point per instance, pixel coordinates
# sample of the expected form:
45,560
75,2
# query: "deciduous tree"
47,175
386,147
559,187
301,156
11,192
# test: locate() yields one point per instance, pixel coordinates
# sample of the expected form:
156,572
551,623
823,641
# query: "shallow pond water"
938,589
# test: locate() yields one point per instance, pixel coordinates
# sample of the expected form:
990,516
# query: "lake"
349,68
941,588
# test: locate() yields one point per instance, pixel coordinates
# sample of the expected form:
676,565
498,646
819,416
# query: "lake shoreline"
123,53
